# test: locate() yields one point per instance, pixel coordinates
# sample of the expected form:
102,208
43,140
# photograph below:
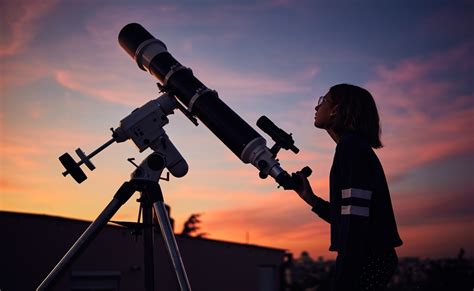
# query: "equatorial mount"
144,126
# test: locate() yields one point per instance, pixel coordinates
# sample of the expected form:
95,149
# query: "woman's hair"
357,112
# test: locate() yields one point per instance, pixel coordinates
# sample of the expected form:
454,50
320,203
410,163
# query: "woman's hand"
305,191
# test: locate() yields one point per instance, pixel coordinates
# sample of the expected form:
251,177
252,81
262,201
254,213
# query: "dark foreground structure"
31,245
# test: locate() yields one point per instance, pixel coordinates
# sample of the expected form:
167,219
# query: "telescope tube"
151,55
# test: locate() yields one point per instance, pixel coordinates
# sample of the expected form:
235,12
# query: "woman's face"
325,111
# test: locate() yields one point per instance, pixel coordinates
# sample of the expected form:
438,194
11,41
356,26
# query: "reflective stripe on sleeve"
356,193
354,210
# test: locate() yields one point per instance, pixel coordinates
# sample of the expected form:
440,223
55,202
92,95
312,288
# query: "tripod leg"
122,195
171,245
152,191
148,258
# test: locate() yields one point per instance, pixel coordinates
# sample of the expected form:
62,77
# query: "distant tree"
305,258
304,273
191,226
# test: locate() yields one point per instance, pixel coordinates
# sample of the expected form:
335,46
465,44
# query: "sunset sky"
65,81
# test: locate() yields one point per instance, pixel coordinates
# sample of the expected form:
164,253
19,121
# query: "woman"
363,228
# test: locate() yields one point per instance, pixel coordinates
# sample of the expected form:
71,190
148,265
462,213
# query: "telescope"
152,55
144,126
183,91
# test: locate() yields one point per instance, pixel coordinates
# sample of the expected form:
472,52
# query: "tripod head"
144,126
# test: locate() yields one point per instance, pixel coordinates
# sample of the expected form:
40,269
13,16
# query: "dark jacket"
360,211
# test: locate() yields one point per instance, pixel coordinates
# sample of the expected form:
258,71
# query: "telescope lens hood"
132,36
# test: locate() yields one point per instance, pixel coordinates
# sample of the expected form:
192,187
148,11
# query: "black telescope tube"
228,126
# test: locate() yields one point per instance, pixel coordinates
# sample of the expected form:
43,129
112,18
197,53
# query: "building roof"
113,225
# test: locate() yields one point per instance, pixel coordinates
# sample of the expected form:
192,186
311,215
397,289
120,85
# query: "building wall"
31,245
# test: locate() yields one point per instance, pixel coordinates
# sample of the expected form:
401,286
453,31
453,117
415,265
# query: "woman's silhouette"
363,227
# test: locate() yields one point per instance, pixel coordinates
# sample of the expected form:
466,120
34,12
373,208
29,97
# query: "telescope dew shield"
151,55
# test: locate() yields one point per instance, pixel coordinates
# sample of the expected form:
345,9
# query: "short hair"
356,112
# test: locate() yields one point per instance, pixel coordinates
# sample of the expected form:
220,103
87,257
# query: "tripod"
145,180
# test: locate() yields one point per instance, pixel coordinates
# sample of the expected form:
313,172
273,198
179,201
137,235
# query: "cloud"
245,85
106,71
18,151
113,87
98,67
442,239
21,72
107,87
425,113
419,141
22,21
19,155
278,219
8,185
425,85
423,208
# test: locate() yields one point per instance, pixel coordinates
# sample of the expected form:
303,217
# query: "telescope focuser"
293,181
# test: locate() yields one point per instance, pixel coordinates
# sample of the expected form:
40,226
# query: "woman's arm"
319,206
